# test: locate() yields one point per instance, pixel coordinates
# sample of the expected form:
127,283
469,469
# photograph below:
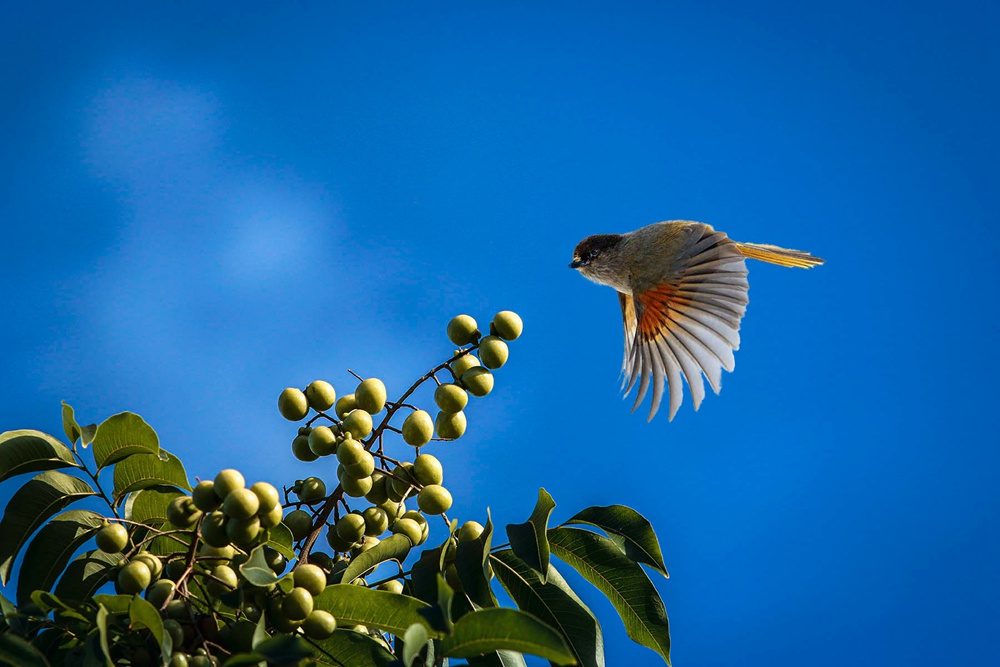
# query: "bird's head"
598,258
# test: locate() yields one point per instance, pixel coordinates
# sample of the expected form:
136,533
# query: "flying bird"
682,287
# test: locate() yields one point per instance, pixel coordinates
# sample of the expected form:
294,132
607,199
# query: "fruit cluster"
225,522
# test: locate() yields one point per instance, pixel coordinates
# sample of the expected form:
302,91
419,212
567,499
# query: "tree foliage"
226,573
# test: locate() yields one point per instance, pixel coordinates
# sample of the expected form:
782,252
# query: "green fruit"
451,398
434,499
175,569
356,487
154,564
182,513
134,577
507,324
370,395
179,659
394,509
363,468
313,490
452,578
297,605
378,493
376,521
410,528
320,395
300,523
178,610
450,426
301,451
174,629
345,404
159,592
227,580
462,330
393,586
336,542
319,624
293,404
351,527
310,577
416,516
367,543
213,556
243,531
213,529
463,363
350,451
402,479
272,518
321,559
267,496
478,380
469,531
322,441
112,538
418,428
428,470
227,481
358,423
493,351
204,496
201,661
241,504
241,636
274,560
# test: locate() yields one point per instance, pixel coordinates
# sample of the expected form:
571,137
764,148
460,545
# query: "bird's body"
682,287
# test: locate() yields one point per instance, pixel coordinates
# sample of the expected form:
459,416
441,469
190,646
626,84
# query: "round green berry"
493,352
478,380
358,423
451,398
293,404
507,324
112,538
418,428
434,499
370,395
227,481
450,426
463,362
322,441
462,330
320,395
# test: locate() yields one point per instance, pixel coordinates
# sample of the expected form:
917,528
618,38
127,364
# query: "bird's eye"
593,253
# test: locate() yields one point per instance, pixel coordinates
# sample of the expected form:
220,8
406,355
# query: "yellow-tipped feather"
781,256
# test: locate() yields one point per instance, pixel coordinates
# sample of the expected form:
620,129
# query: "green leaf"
48,602
356,605
17,651
143,471
121,436
71,428
115,604
256,571
552,602
142,614
246,660
280,539
498,659
284,649
637,539
102,628
32,451
394,547
260,630
87,573
51,549
150,505
500,629
622,580
346,648
31,506
89,432
414,640
528,540
472,564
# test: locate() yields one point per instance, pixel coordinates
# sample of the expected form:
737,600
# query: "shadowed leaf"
87,573
629,530
496,629
52,548
17,651
622,580
528,540
346,648
472,564
31,506
32,451
552,602
143,614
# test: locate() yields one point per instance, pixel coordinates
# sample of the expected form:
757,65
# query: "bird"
682,287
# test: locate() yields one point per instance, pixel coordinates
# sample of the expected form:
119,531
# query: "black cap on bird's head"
591,248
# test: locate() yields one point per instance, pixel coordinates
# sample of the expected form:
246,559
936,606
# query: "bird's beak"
575,264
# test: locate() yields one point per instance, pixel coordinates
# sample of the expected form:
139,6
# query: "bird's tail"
781,256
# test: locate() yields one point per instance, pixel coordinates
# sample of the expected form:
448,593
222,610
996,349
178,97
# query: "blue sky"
202,206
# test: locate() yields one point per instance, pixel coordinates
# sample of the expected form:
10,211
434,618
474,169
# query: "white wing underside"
687,327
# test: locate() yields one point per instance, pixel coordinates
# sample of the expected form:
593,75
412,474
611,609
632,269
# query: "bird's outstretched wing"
688,323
